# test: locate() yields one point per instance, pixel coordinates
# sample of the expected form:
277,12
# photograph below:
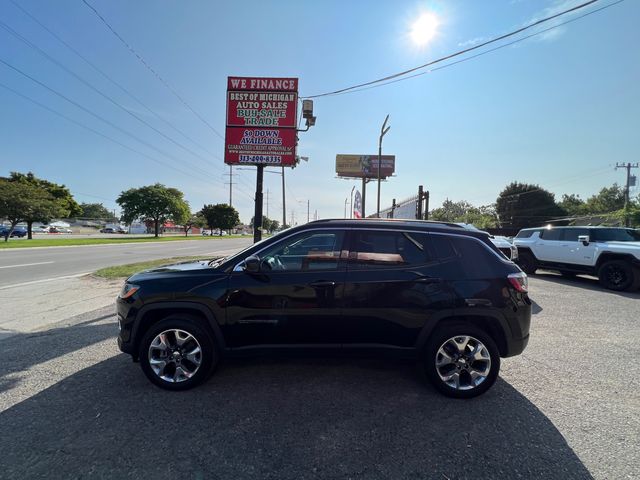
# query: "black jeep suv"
432,291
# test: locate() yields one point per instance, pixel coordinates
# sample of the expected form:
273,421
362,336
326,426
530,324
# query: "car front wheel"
462,361
178,353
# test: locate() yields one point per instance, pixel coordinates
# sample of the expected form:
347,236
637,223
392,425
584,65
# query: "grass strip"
124,271
62,241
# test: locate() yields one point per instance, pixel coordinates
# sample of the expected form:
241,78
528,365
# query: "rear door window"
372,249
464,257
572,234
552,234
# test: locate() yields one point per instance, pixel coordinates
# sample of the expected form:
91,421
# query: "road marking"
26,264
44,280
186,248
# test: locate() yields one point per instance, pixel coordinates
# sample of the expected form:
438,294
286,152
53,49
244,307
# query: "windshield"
616,235
219,261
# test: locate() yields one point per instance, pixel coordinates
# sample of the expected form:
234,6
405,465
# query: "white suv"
611,254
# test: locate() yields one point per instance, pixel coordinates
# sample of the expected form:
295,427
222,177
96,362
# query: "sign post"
261,128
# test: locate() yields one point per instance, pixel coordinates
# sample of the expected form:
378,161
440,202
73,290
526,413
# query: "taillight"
519,281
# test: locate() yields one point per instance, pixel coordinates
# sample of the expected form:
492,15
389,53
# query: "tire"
616,275
195,368
438,369
527,263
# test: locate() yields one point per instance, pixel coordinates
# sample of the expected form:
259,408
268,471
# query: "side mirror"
252,264
584,239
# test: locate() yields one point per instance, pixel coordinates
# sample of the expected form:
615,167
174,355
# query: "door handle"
427,280
323,284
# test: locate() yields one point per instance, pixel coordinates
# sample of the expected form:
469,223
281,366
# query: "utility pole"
383,132
346,200
308,217
364,195
393,208
315,215
231,183
267,203
628,166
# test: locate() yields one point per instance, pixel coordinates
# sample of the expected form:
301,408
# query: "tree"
608,200
268,225
220,216
95,211
522,205
192,220
156,203
572,204
463,212
61,205
20,201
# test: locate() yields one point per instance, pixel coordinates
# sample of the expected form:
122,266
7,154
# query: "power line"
99,117
90,86
455,54
110,79
71,120
150,68
451,64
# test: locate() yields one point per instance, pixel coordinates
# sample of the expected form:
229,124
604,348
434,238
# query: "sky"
558,110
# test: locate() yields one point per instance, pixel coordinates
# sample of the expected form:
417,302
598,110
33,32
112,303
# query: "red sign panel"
261,121
265,146
262,84
261,109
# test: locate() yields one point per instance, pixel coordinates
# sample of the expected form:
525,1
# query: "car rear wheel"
616,275
178,353
462,361
527,263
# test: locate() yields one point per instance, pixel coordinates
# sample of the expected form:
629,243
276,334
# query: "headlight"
128,290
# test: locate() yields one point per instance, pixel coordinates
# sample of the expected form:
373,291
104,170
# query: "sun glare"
424,28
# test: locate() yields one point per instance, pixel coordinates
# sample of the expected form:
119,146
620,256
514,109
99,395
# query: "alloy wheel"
175,355
463,362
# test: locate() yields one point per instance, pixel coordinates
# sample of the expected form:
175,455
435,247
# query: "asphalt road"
24,265
568,408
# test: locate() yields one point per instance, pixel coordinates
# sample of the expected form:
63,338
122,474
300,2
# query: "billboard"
365,166
261,121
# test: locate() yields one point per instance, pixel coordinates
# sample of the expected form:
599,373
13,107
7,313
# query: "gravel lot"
71,406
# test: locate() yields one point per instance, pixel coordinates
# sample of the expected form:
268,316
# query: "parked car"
431,291
609,253
504,245
107,230
17,231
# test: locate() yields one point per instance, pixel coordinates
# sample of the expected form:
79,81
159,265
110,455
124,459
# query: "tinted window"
376,249
464,257
307,251
572,234
615,235
525,233
551,234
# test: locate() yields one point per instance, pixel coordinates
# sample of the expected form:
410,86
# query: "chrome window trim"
238,268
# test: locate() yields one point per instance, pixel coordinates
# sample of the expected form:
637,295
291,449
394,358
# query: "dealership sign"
261,121
365,166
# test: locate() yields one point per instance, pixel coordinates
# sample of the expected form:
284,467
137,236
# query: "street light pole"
383,132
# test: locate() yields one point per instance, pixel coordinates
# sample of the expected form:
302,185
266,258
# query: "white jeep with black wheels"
609,253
